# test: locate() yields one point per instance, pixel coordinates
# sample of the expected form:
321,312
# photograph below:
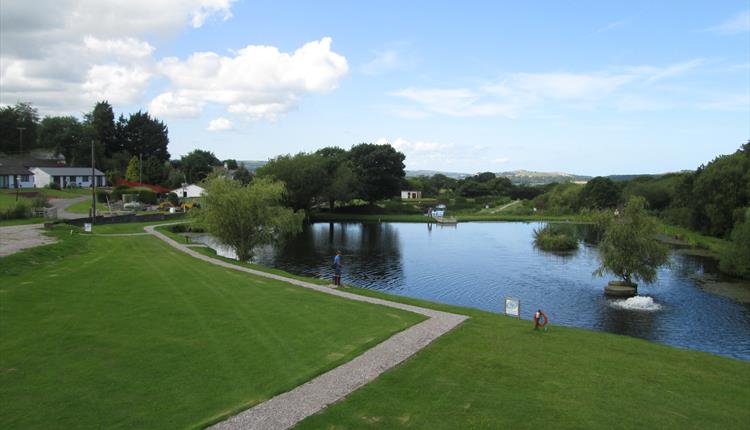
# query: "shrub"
147,197
19,211
735,259
172,198
52,186
186,228
101,196
119,190
556,237
40,201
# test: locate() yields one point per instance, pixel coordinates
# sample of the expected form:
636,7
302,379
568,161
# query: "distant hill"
527,177
454,175
252,165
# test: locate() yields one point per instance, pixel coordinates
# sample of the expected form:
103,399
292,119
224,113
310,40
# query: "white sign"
512,307
87,227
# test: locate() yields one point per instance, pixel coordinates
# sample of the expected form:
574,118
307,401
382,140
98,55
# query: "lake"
479,264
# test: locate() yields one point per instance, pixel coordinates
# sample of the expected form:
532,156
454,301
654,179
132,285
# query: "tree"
22,115
599,193
304,176
64,135
155,171
379,170
629,248
198,164
243,175
339,180
735,259
132,173
142,134
231,164
102,121
244,217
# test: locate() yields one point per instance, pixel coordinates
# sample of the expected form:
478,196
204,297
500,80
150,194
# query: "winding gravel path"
287,409
19,237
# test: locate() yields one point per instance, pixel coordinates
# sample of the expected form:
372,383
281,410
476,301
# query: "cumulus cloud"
739,23
520,92
258,81
79,51
219,124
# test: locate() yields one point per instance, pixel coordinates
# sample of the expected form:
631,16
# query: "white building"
189,191
411,195
66,177
9,175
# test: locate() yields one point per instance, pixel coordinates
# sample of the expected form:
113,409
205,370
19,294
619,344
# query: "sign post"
513,307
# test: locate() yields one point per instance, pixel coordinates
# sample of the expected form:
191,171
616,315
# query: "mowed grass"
126,332
495,372
85,206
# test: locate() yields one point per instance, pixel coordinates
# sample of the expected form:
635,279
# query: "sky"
585,87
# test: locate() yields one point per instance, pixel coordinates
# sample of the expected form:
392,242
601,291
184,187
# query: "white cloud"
739,23
258,81
64,55
517,93
171,105
219,124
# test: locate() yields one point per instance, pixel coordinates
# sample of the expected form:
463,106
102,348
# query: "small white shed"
411,195
189,191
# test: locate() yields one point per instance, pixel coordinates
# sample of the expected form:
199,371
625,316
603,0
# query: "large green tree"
141,134
102,122
198,164
22,115
379,170
304,175
599,193
244,217
735,258
629,248
64,135
339,175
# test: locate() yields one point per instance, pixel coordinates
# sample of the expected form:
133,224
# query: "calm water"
478,264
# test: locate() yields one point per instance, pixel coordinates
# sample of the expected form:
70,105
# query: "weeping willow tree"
629,248
246,216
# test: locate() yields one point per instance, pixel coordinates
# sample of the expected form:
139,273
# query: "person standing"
337,265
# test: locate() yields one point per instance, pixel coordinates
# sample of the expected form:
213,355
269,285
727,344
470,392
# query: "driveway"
17,237
62,204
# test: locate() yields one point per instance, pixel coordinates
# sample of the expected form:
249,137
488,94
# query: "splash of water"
637,303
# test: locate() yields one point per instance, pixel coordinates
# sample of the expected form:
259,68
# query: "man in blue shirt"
337,268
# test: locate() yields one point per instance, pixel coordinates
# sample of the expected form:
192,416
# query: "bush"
101,196
52,186
147,197
186,228
19,211
40,201
556,237
735,259
119,190
172,198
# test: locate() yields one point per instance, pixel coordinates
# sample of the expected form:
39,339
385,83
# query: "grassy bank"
695,239
125,332
496,372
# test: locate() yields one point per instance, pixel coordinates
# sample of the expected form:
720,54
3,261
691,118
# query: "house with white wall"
66,177
189,191
411,195
10,174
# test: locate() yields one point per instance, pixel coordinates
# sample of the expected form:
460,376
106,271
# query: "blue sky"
582,87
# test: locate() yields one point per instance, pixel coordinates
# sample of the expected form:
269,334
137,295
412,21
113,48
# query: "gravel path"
287,409
17,237
62,204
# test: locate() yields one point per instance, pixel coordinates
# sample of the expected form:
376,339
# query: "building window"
72,178
24,178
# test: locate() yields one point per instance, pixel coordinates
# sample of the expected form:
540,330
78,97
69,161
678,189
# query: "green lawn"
85,206
126,332
131,227
494,372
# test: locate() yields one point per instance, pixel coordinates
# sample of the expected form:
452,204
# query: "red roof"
154,188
